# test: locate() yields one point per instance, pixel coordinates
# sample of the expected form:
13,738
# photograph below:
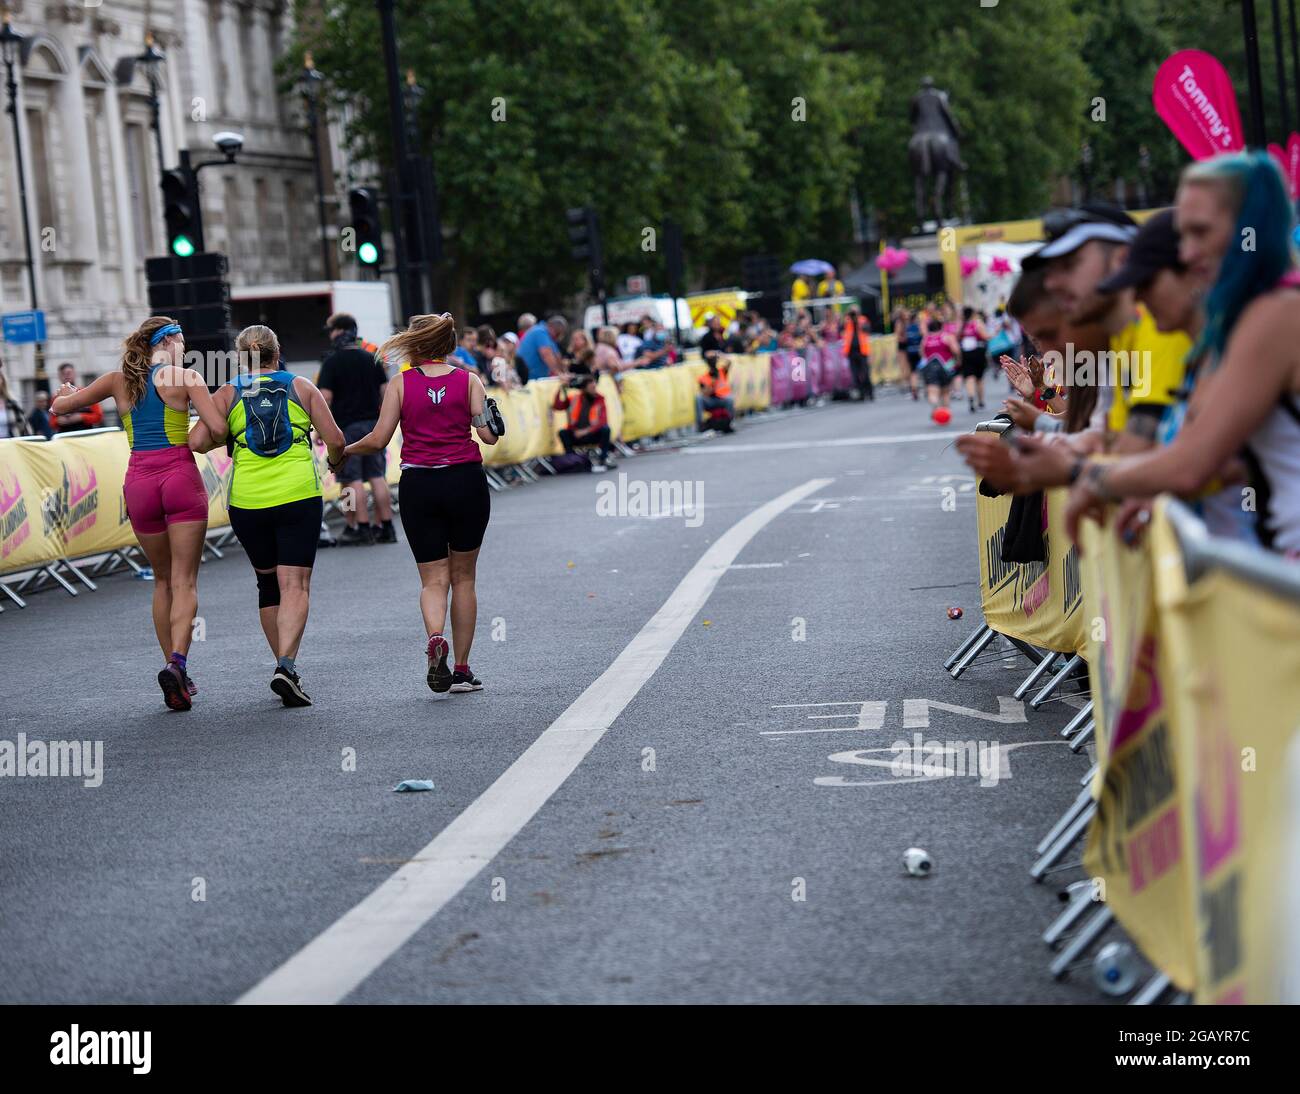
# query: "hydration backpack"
267,429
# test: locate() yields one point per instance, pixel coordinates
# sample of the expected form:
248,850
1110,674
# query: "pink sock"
462,668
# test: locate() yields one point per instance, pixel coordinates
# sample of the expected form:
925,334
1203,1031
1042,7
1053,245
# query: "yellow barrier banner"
886,368
1234,690
641,395
22,534
685,380
1037,602
1136,842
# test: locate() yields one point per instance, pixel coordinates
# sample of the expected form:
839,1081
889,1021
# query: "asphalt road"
644,844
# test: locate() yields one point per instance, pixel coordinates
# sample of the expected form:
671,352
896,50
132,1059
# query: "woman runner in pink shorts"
165,497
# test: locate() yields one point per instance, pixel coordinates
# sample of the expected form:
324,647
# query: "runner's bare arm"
70,399
207,410
201,439
390,413
1257,367
322,419
477,400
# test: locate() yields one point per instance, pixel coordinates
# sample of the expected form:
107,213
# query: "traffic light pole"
401,194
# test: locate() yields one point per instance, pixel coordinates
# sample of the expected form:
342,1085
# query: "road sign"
24,326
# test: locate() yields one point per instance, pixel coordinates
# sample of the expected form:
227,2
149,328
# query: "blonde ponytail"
428,338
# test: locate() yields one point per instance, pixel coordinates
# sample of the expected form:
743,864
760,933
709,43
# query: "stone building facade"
92,162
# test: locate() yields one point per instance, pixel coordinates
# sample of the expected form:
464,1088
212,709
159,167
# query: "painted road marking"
338,960
834,442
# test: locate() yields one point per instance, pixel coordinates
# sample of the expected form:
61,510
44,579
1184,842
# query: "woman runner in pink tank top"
445,503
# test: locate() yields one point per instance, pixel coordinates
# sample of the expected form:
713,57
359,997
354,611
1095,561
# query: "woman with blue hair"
1235,221
165,498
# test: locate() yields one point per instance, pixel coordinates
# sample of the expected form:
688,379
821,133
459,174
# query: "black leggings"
444,508
281,535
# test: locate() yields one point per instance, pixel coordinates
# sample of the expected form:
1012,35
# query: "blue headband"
163,332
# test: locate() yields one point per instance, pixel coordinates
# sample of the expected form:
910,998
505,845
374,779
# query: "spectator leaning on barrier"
607,358
1251,343
352,382
588,422
714,343
465,352
91,417
539,347
1092,243
654,350
39,418
13,423
629,342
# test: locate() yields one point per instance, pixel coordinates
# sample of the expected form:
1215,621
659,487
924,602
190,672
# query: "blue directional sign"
24,326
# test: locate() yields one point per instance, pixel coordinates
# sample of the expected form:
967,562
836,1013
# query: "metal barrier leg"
1080,900
550,467
1082,739
12,595
1076,723
970,641
975,650
1066,818
1039,671
1089,775
71,566
1056,681
624,449
1063,842
1092,930
1151,991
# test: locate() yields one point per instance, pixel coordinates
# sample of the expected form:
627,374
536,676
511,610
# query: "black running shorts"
444,508
281,535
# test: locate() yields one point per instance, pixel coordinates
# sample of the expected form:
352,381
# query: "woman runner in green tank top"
275,492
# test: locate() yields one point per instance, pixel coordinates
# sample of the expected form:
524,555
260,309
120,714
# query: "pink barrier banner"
1194,96
782,392
798,376
836,365
817,382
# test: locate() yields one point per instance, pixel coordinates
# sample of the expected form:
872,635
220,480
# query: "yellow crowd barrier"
1195,660
886,368
62,499
1036,602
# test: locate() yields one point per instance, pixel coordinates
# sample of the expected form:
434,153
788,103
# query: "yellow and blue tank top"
269,430
151,424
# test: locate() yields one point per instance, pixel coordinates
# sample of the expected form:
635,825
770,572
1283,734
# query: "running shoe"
386,535
465,681
288,687
439,676
599,468
358,536
172,682
191,686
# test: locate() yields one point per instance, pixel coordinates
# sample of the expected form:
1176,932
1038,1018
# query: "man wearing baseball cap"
1145,366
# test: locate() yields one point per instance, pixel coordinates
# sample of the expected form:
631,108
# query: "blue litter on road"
413,784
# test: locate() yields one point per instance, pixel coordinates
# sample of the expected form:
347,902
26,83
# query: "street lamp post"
310,82
10,46
151,60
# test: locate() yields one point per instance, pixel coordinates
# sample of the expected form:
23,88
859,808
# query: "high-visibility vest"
864,337
719,387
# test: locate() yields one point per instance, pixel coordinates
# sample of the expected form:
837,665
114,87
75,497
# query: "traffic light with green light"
181,212
367,228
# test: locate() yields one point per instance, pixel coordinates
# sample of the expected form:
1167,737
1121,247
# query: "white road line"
831,442
342,956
